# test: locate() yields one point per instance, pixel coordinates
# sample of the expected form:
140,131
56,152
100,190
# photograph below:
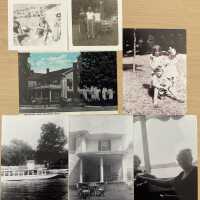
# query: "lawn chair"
84,191
100,189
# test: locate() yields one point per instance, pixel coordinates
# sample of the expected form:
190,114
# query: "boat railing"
27,172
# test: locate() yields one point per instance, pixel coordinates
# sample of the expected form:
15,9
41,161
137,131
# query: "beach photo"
67,82
165,158
101,157
34,157
154,71
95,25
37,25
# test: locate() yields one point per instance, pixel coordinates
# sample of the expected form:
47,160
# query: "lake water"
55,189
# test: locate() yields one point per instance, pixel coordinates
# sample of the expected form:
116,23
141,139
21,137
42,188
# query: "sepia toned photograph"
95,25
165,158
37,25
154,71
67,82
34,157
101,157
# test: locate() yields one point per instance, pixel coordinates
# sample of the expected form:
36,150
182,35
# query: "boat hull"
29,177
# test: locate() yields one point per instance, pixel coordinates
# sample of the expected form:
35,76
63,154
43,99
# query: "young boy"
162,85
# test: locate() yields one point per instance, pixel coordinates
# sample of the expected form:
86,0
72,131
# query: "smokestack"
47,70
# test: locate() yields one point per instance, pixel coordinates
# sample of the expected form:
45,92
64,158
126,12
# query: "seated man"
185,183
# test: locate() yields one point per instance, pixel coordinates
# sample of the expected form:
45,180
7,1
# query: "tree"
17,153
98,69
24,72
51,145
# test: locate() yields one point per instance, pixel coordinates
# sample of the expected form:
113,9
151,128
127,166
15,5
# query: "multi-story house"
52,86
100,157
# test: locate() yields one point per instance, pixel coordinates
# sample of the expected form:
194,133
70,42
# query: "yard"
136,97
105,38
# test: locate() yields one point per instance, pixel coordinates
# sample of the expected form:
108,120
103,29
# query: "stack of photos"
67,63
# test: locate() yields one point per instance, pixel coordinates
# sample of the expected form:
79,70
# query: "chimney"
47,70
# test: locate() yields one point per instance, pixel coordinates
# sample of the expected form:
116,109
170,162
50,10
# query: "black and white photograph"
165,158
67,82
38,25
101,157
34,157
154,71
95,25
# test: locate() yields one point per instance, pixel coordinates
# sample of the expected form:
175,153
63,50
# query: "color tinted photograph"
67,82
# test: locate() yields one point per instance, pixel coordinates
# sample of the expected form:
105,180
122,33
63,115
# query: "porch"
101,168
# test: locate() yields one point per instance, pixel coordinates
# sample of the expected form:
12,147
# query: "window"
69,83
104,145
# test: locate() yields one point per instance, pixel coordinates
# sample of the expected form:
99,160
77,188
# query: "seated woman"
185,184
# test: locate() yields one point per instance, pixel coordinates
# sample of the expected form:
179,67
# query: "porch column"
50,97
101,170
81,170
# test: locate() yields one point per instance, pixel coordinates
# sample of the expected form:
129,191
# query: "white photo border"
63,44
98,47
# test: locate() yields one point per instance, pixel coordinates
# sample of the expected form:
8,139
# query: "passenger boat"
20,175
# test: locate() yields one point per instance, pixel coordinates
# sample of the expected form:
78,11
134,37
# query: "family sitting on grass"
43,31
164,74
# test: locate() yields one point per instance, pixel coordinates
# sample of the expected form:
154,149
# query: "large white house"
100,157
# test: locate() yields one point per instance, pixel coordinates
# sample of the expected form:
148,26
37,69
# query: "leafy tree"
51,145
98,69
17,153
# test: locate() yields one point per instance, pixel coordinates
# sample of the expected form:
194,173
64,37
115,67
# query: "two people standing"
90,22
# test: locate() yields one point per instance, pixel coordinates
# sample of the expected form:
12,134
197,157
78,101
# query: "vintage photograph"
95,25
67,82
101,157
165,158
34,157
154,71
38,25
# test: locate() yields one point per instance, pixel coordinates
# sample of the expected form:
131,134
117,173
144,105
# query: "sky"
167,138
102,124
54,61
28,127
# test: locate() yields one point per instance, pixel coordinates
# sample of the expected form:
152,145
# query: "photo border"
63,44
98,47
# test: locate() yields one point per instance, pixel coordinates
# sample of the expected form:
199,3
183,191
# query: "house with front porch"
100,157
52,86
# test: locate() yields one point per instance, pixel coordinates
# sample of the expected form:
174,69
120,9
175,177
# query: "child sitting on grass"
162,86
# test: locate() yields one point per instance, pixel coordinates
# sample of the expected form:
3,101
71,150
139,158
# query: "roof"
50,75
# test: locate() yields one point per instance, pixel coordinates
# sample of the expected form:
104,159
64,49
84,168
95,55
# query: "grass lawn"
112,192
104,39
136,97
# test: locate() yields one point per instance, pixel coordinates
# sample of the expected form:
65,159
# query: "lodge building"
52,86
100,157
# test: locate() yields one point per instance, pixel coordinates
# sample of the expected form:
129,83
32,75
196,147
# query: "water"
55,189
168,172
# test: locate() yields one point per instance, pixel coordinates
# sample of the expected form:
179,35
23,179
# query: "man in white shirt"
90,23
